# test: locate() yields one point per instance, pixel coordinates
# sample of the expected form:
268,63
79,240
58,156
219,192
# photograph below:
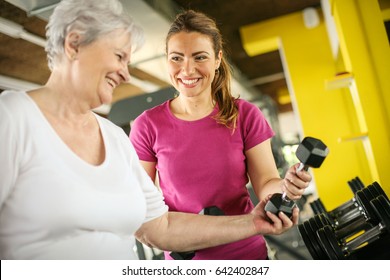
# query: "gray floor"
287,246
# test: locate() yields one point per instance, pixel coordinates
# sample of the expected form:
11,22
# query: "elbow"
148,239
152,233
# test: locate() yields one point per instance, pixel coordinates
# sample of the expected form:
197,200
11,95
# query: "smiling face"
192,63
102,66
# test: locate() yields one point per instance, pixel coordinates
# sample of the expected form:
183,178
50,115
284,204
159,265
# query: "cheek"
207,71
173,69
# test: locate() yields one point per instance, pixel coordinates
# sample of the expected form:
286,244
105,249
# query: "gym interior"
317,68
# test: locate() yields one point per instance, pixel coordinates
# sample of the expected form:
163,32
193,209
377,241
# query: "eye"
119,56
200,57
175,58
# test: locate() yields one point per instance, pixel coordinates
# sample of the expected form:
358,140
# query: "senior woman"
71,183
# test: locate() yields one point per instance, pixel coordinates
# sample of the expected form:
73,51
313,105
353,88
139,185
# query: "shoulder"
246,107
157,110
245,104
12,98
15,103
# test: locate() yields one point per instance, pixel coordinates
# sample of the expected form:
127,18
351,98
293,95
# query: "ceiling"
23,60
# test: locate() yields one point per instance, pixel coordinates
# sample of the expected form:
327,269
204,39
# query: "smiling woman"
113,50
204,143
192,66
60,159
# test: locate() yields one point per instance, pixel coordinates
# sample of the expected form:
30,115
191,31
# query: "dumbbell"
358,208
311,152
345,215
356,184
328,240
377,236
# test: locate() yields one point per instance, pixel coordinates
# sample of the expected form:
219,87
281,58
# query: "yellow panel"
365,49
386,14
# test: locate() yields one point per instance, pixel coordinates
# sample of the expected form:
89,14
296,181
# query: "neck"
61,104
190,108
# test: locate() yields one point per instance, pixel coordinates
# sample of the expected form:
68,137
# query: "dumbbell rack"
357,229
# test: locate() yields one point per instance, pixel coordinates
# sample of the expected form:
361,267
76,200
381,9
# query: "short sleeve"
142,138
255,127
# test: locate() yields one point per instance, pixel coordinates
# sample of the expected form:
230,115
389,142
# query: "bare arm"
184,232
265,178
262,170
150,168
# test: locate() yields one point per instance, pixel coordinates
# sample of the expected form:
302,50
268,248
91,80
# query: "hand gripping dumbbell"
311,152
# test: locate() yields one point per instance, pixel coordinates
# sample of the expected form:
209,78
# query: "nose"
188,67
124,73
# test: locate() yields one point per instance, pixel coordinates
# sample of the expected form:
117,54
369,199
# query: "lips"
189,82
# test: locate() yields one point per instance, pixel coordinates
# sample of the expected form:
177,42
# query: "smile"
111,82
189,82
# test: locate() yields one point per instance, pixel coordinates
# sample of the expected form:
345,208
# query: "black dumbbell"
360,236
356,184
329,236
377,235
311,152
346,214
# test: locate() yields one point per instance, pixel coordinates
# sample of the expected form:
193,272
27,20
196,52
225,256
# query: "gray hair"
91,19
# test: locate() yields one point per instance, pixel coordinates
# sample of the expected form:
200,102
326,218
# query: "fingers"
295,216
268,223
294,190
295,183
281,222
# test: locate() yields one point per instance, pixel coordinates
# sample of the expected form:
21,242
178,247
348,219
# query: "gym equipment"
352,236
341,249
311,152
356,184
182,255
347,215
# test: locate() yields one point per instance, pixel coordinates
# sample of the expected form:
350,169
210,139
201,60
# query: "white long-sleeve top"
54,205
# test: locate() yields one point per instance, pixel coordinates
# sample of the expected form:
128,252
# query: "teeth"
111,82
189,82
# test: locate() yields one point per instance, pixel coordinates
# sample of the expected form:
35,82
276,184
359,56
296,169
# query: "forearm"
185,232
274,185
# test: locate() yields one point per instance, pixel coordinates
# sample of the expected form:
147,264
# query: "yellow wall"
330,115
366,54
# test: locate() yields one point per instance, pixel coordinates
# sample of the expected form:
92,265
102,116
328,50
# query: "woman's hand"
295,183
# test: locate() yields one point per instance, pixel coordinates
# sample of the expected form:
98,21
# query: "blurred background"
314,67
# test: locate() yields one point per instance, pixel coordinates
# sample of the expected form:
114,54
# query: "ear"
218,60
72,42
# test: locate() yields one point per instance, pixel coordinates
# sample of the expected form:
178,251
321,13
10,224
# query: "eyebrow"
193,54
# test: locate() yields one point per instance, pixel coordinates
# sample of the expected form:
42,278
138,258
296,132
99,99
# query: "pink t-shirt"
202,164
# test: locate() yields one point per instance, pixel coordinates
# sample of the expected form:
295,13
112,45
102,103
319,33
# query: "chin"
106,98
